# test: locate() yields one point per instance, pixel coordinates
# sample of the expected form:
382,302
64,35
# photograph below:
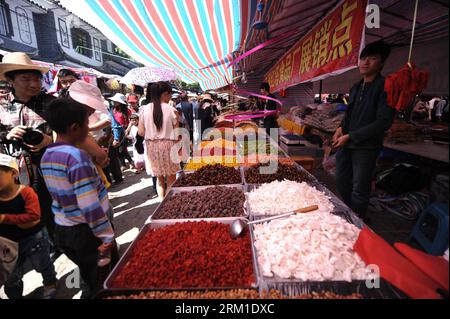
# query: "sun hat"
17,61
9,161
87,94
119,97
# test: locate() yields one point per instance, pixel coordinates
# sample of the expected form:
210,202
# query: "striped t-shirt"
79,195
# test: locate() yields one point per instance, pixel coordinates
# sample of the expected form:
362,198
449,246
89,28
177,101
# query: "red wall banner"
330,48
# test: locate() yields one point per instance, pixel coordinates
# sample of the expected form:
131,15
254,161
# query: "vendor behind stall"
360,136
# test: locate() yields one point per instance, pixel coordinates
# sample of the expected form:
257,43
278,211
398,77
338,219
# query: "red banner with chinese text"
331,47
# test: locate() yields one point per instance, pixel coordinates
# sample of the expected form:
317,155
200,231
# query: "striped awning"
196,38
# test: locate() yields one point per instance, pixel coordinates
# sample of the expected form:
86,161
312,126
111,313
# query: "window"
5,20
97,50
104,45
81,42
24,25
63,33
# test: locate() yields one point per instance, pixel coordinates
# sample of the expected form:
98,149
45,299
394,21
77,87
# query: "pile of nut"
253,174
217,201
231,294
188,255
210,175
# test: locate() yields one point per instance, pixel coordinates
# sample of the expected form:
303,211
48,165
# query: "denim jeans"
36,250
355,169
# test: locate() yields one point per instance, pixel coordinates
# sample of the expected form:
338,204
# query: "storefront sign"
332,47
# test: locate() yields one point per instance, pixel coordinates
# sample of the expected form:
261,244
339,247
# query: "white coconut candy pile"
309,247
281,197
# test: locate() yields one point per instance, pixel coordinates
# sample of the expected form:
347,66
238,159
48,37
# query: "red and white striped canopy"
195,38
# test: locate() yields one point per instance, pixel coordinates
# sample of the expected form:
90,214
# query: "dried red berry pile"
210,175
184,255
217,201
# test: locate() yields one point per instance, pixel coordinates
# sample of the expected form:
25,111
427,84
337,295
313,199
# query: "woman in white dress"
157,123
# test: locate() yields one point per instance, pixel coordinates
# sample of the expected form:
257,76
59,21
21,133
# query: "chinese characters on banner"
331,46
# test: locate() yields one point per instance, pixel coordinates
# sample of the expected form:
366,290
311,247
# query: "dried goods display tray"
155,224
311,180
176,190
295,287
192,172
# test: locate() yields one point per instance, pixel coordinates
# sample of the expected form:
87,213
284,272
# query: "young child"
80,200
131,133
20,222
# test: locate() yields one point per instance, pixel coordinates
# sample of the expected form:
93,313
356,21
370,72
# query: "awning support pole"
413,31
320,90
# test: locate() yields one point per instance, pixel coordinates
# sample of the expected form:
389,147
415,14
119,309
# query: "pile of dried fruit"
210,175
309,247
192,254
280,197
196,163
218,201
216,147
232,294
253,174
254,147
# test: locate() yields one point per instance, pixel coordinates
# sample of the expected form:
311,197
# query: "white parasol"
145,75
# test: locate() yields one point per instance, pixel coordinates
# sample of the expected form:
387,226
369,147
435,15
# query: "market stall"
187,248
308,255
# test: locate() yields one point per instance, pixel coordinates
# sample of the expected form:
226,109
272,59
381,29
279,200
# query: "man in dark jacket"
359,139
188,113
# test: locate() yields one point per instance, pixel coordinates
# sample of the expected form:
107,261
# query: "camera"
32,137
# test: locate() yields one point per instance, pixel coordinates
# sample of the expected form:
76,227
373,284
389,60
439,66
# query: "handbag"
139,145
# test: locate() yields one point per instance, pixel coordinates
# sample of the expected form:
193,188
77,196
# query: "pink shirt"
121,119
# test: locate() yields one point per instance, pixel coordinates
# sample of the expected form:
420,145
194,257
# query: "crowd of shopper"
61,152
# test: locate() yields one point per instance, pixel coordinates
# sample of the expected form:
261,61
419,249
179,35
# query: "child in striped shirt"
80,201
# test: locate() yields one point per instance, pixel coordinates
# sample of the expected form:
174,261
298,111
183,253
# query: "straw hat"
17,61
87,94
119,97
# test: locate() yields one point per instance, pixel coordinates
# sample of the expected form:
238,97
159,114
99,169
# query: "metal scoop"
238,227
